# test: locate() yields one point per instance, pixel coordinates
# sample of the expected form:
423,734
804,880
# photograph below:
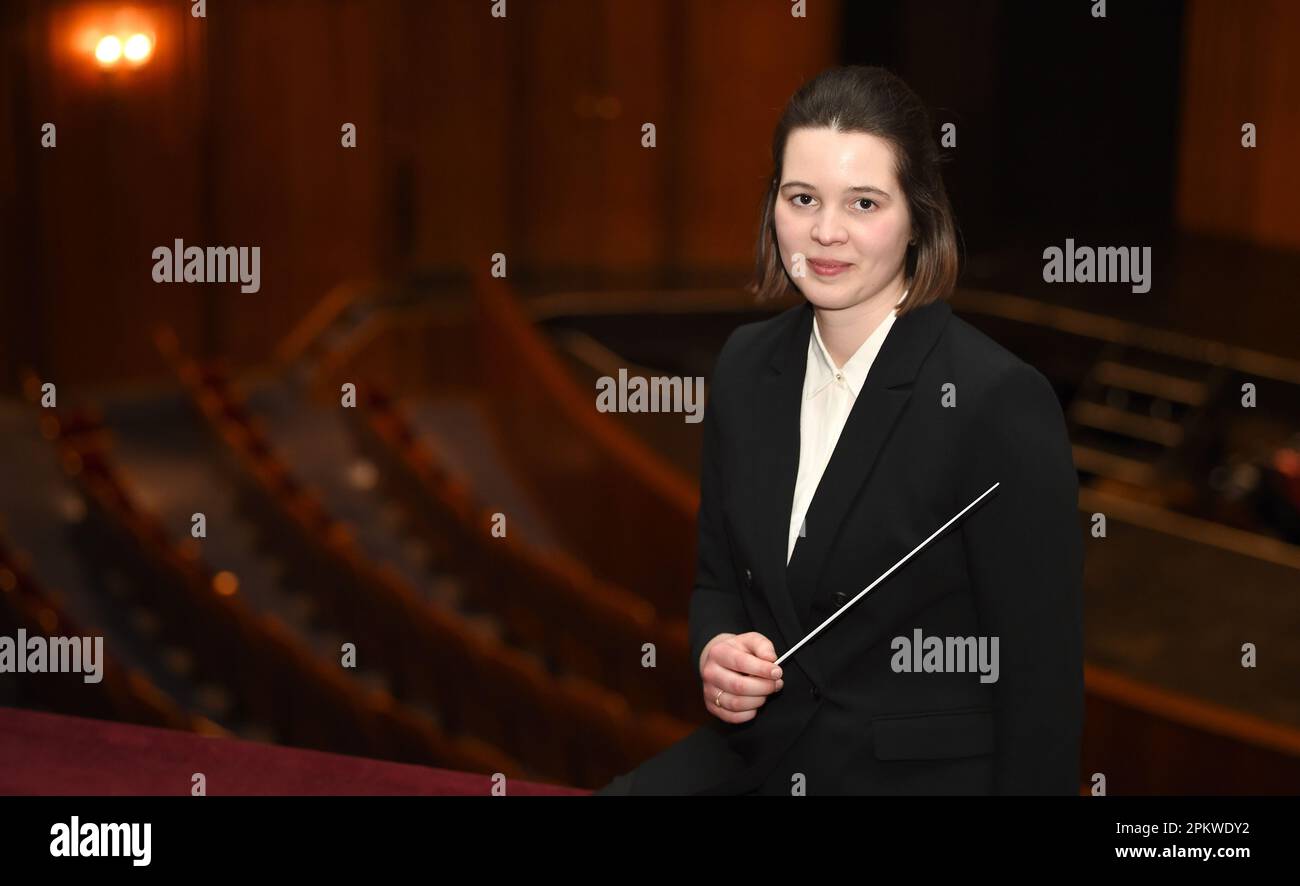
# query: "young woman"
839,435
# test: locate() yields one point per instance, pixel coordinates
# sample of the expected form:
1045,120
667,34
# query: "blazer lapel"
776,464
878,406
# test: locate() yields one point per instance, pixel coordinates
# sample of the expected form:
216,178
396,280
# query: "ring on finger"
718,699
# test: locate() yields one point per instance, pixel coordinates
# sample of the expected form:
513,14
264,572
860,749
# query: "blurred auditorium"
384,446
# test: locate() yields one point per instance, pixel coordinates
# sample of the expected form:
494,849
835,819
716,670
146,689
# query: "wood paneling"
1240,67
475,135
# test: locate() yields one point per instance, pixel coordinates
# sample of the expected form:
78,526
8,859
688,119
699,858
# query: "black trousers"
621,786
699,761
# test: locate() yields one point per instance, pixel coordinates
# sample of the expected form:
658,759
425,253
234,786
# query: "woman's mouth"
823,268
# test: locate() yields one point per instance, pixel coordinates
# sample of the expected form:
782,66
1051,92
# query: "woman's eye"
867,200
796,198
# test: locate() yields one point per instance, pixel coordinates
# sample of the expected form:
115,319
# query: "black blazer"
904,464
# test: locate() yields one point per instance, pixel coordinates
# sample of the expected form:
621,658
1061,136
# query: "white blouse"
828,396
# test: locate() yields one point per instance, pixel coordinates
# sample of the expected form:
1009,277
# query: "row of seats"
272,676
564,727
618,505
121,693
546,599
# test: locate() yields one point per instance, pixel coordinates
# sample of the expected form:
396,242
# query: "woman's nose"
828,228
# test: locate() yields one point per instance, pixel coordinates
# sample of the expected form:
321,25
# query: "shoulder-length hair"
876,101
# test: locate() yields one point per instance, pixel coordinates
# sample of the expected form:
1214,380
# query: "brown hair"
876,101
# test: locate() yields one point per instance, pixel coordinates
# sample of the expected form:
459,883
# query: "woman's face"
842,223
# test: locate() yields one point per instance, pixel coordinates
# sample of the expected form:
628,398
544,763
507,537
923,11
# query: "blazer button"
749,579
815,693
841,598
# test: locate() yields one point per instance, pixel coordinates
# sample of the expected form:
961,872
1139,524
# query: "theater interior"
347,434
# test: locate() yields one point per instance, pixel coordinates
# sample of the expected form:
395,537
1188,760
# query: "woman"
839,435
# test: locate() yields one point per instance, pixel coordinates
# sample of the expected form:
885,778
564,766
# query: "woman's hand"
738,675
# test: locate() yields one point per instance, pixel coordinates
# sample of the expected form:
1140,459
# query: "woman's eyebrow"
858,189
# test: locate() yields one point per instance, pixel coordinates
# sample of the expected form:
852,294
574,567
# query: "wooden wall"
475,135
1239,67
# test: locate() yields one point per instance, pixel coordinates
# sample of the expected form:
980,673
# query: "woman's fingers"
733,702
741,667
729,717
756,644
734,708
737,659
723,677
762,656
